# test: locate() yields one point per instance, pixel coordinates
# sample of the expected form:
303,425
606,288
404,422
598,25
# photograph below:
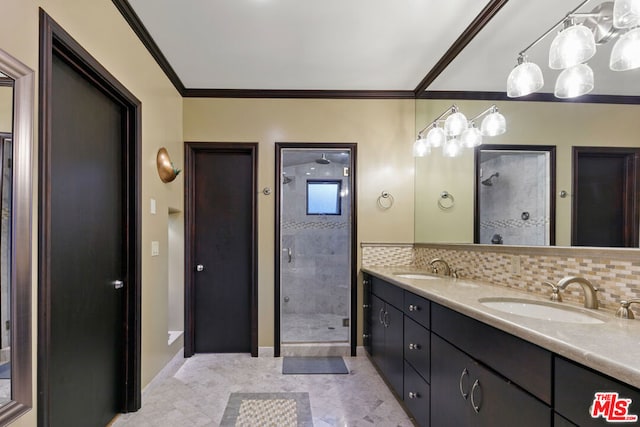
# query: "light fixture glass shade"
435,137
524,79
471,137
625,54
420,147
451,147
626,13
455,124
574,81
573,45
493,124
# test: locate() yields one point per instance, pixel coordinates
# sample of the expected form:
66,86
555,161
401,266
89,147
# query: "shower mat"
313,365
268,409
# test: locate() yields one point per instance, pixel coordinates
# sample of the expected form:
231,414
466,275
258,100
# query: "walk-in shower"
315,246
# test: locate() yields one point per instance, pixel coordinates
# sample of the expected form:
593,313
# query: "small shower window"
323,197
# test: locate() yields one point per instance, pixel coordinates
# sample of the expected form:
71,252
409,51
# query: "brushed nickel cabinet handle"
476,386
413,346
413,395
464,373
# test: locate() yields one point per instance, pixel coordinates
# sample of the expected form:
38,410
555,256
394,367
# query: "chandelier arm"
546,33
452,109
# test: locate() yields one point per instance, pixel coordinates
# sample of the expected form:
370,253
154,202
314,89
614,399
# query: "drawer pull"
366,336
413,395
476,386
465,373
386,319
414,307
365,306
413,346
380,316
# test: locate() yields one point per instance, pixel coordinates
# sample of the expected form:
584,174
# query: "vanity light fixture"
576,43
458,131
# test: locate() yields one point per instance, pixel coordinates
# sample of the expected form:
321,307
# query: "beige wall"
532,123
99,28
382,129
6,109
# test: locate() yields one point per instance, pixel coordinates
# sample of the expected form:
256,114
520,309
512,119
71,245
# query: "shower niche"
514,190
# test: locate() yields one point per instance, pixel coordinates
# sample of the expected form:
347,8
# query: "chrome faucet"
590,296
446,270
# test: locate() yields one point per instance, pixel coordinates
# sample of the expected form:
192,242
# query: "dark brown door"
605,206
87,250
223,244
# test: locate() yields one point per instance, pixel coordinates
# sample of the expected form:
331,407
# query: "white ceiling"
357,44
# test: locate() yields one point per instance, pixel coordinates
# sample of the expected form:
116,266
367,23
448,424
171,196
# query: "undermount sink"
418,276
540,310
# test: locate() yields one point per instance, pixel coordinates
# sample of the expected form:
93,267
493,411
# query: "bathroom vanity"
454,359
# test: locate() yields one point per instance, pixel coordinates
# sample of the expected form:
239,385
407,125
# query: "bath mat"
268,410
5,371
314,365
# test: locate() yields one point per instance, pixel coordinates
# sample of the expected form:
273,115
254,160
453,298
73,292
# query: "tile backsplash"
616,273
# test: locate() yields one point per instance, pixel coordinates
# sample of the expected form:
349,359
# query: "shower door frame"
352,147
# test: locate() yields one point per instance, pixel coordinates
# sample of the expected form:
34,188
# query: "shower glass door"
315,245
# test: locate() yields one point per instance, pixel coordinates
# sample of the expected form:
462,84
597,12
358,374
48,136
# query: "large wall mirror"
16,130
557,124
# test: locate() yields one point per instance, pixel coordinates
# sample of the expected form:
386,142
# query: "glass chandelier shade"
626,13
455,124
493,124
625,54
524,79
435,137
573,45
420,147
471,137
451,147
574,81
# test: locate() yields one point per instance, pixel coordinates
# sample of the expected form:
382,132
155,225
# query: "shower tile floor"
195,392
297,328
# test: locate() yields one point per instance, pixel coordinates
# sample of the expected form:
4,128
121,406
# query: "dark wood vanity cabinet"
387,332
466,393
575,389
452,370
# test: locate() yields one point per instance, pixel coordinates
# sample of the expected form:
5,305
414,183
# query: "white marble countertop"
612,347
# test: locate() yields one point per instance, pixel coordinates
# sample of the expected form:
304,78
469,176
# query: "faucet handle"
555,292
455,272
624,312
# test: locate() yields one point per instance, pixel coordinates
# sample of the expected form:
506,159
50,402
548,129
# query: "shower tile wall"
315,284
519,190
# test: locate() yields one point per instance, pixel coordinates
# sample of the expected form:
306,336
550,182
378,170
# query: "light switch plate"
152,206
155,248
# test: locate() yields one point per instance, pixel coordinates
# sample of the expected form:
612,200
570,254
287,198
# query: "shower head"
323,160
488,182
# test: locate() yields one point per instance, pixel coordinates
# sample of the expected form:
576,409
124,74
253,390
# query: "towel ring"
446,200
385,200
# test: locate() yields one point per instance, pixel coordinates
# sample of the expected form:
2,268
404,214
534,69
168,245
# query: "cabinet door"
496,402
450,385
377,332
393,348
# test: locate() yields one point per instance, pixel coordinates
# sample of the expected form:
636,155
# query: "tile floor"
195,392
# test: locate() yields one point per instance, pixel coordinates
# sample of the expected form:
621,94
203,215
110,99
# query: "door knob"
118,284
199,267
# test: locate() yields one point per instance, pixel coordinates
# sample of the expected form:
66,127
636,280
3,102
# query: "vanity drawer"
418,308
575,389
387,292
416,395
524,363
417,347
